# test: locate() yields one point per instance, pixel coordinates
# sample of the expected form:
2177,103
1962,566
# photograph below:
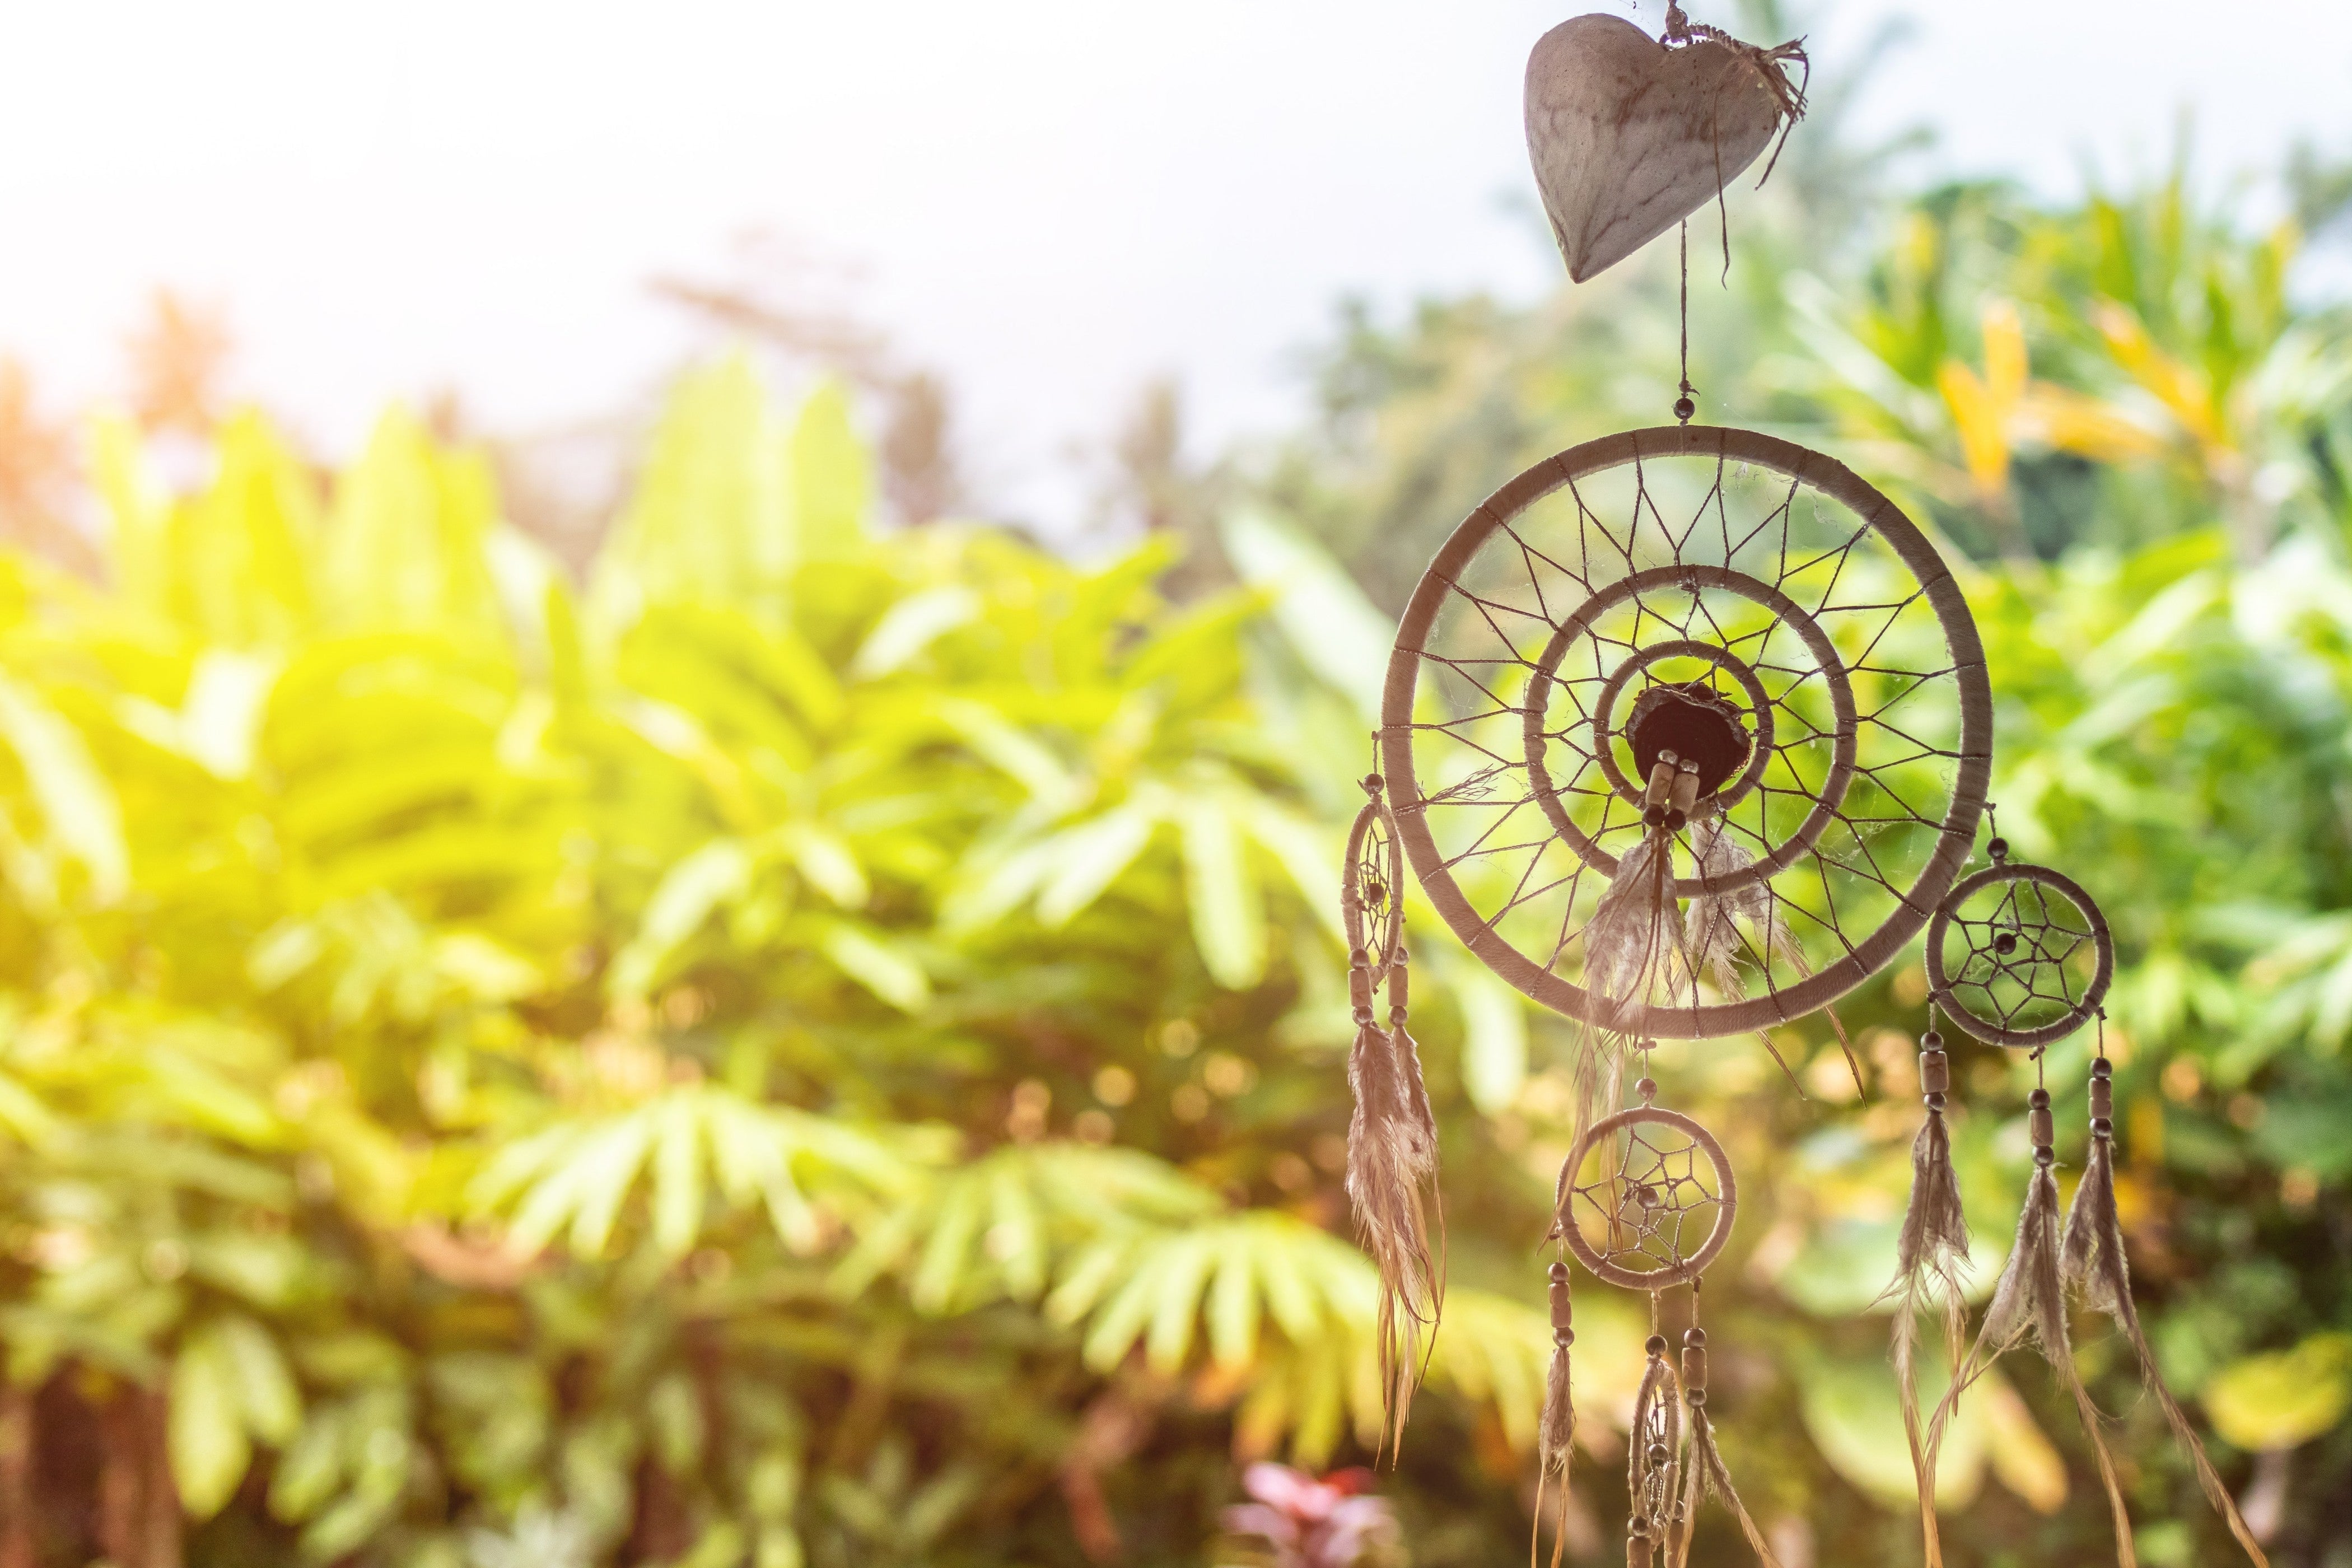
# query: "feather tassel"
1705,1473
1418,1129
1633,944
2092,1260
1715,939
1556,1435
1635,940
2029,1304
1709,1475
1390,1152
1391,1165
1931,1254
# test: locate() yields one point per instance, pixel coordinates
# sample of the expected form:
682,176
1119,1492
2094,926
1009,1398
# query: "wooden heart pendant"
1630,137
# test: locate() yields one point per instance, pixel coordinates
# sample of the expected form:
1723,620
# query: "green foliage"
497,1066
826,1046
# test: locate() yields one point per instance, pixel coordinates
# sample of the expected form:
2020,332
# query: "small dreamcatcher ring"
1828,796
2008,950
1371,902
1669,1172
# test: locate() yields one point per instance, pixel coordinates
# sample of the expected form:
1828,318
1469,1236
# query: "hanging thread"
1687,404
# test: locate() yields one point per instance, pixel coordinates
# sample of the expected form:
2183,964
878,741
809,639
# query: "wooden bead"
1935,1072
1693,1366
2102,1098
1662,784
1638,1553
2041,1131
1685,790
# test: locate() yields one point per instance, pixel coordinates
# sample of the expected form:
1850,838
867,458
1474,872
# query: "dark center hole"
1695,722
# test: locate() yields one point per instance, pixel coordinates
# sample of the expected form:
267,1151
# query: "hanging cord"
1687,404
1788,95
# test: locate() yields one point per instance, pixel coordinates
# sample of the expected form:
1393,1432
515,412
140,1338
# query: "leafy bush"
824,1046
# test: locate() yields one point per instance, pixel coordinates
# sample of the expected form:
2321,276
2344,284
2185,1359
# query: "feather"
1709,1477
1418,1125
1715,939
1635,941
1930,1255
1558,1432
1384,1187
1633,944
1555,1441
2092,1259
2029,1304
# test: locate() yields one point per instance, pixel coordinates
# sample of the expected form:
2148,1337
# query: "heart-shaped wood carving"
1630,137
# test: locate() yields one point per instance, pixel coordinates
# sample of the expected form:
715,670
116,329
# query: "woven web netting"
1647,1198
1744,590
2020,955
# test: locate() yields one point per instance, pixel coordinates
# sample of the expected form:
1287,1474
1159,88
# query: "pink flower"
1311,1523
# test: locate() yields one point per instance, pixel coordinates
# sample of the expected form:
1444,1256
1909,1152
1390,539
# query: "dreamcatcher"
1392,1138
1686,732
2020,956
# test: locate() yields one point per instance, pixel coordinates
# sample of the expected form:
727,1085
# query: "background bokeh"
736,964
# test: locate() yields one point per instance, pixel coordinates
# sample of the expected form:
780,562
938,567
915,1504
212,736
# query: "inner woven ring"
1759,712
1691,578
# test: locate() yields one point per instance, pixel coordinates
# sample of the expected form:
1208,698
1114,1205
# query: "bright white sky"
1048,199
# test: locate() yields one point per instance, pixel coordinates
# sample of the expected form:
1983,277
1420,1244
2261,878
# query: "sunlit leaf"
2285,1398
209,1449
75,799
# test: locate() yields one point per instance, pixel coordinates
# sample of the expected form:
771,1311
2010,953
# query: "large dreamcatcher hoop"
1753,611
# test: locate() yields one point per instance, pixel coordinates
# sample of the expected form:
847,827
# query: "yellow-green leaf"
205,1435
2285,1399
